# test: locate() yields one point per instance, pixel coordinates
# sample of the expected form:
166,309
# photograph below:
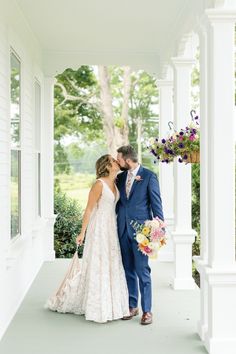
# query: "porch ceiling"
115,32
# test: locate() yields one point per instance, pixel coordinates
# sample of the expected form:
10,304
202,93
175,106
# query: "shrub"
67,226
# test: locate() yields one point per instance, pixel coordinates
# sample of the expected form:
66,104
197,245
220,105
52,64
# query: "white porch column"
48,167
220,274
202,260
166,176
183,234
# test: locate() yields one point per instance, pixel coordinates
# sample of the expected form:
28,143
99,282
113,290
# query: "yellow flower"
145,242
146,230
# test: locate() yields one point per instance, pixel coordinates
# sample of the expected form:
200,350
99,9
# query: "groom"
140,200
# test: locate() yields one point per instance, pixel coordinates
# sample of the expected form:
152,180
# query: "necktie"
128,183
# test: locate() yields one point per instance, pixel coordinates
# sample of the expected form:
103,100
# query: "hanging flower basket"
193,157
183,144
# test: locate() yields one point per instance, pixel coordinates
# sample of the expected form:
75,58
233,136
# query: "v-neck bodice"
107,193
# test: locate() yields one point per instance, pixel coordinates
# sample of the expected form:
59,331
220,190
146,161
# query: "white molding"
184,283
222,15
164,83
181,61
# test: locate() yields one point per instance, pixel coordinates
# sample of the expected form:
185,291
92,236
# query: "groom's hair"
128,152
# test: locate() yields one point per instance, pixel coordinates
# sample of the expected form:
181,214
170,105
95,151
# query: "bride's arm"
94,195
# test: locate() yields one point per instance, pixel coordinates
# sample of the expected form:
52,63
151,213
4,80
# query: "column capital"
221,15
182,61
165,83
50,80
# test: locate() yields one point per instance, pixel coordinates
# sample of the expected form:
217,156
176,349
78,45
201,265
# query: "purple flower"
180,160
163,141
181,146
181,133
156,139
185,157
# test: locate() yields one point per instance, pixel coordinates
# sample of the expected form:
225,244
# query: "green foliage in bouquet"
67,226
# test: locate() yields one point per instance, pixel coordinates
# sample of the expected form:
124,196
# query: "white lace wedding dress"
99,289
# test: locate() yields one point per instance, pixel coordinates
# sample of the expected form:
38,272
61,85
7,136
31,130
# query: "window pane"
15,193
15,101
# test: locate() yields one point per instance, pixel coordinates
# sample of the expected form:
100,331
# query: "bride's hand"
80,239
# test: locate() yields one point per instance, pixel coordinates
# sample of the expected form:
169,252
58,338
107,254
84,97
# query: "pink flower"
156,234
147,249
192,137
181,138
138,178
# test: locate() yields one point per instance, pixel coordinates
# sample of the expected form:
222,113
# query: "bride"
98,290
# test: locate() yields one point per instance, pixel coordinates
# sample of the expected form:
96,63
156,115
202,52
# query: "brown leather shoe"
146,318
133,312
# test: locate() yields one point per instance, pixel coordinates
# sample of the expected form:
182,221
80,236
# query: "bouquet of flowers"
150,236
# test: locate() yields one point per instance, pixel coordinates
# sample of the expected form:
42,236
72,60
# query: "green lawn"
77,186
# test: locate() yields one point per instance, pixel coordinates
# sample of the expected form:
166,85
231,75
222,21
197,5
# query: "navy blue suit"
143,204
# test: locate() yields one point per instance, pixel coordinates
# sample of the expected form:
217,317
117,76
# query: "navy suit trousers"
137,272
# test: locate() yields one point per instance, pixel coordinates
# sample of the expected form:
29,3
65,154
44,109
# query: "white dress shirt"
134,174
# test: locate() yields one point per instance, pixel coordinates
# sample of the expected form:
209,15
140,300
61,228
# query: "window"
37,126
15,112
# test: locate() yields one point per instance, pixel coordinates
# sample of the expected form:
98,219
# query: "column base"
202,330
183,241
202,326
184,283
221,294
220,345
49,252
50,256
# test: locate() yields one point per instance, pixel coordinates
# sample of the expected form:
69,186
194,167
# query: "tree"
143,109
109,104
115,127
76,111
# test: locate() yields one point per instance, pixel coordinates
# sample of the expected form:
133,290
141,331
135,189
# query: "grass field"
77,186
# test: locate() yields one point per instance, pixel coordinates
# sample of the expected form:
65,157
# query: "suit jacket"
144,202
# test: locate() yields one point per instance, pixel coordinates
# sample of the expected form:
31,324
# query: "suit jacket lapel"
139,173
122,185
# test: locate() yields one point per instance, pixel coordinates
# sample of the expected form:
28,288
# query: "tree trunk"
125,107
115,136
139,135
106,105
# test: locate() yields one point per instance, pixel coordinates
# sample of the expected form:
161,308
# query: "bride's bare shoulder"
97,186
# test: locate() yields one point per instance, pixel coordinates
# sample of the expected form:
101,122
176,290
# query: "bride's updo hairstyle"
102,165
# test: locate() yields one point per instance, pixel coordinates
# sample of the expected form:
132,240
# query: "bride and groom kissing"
106,287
